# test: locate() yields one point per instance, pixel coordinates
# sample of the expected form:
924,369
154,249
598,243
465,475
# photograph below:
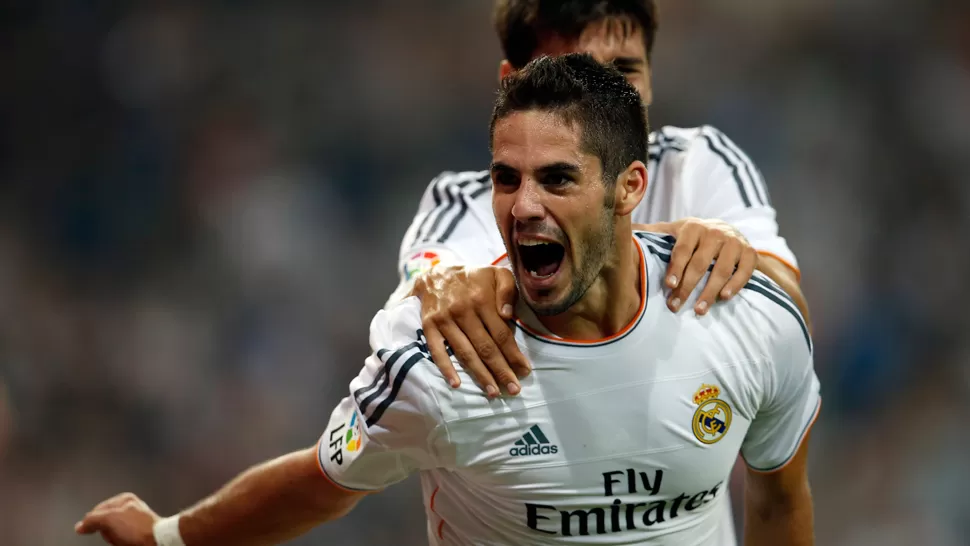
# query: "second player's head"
612,31
568,138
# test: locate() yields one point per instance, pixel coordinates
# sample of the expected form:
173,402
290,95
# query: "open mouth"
541,258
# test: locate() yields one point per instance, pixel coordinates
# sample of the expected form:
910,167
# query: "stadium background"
201,205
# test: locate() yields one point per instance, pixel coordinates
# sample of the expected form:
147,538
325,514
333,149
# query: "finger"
743,273
727,258
116,500
681,254
439,354
699,263
468,358
488,353
93,522
506,292
504,339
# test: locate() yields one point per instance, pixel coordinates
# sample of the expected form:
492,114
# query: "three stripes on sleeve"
451,194
387,383
750,183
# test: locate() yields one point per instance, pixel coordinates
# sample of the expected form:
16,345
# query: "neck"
612,301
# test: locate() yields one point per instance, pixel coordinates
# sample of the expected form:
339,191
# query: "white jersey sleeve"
454,225
726,185
390,425
790,398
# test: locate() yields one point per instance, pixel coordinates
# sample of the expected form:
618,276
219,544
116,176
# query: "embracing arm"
443,260
720,184
701,240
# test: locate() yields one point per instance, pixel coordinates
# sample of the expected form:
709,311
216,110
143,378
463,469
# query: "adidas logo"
533,442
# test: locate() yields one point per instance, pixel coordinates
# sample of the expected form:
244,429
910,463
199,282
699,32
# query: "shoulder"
780,322
716,175
395,377
669,141
656,247
450,186
705,140
769,313
401,348
398,342
445,207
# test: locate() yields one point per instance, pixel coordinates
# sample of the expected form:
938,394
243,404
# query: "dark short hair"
521,24
608,110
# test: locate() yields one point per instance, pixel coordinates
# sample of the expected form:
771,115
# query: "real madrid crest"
713,417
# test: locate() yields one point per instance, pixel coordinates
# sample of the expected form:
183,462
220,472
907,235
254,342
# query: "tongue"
547,269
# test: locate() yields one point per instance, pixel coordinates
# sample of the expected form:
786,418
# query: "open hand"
469,308
123,520
699,242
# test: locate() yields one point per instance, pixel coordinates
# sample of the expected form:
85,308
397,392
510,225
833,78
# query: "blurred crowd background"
201,204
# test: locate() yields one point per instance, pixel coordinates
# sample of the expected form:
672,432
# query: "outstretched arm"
267,504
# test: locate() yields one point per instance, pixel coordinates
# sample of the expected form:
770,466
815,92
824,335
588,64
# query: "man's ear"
631,185
504,69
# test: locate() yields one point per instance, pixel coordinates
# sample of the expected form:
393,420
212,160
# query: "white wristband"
167,533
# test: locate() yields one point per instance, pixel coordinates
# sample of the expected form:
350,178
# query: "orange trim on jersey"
329,479
789,265
441,524
500,258
818,410
621,333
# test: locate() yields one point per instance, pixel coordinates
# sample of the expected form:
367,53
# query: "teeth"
529,242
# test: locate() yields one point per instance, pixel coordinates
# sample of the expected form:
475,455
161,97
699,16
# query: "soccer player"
631,422
693,174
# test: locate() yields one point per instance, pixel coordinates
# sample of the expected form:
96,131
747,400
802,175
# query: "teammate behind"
703,189
628,428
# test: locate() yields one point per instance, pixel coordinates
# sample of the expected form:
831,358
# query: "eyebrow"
628,62
558,167
499,167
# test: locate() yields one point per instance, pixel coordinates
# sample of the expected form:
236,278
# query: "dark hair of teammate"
523,24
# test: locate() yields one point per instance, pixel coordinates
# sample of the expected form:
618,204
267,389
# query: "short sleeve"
726,185
454,225
790,398
389,425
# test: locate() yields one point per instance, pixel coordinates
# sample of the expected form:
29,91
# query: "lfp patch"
420,263
353,437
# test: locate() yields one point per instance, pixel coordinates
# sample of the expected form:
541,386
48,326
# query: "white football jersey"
626,440
695,172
